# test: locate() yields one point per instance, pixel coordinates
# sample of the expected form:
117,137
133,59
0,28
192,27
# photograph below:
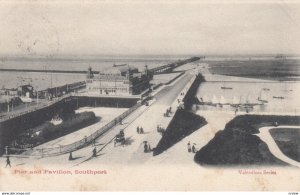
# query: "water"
46,80
75,63
243,92
38,80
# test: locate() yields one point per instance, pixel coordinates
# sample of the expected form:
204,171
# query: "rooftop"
119,70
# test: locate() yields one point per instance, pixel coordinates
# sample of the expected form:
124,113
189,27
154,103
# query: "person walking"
194,148
149,147
122,134
141,130
189,147
94,152
7,162
145,147
70,156
138,129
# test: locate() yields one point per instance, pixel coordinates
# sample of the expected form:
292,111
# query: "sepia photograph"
142,96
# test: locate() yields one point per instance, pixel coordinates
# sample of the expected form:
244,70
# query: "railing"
34,108
68,88
76,145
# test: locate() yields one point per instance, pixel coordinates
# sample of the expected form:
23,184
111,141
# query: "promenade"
147,117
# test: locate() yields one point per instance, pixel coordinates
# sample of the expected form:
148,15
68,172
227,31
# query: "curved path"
264,135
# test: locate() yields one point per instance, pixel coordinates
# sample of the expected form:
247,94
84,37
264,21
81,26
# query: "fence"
76,145
64,91
34,108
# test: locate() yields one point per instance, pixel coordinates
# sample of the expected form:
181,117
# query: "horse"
120,138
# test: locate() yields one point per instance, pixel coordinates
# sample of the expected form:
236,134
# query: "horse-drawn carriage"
120,138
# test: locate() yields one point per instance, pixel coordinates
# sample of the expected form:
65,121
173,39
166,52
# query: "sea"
279,97
45,80
209,90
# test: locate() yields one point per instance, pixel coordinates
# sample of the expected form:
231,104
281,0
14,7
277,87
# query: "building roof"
118,70
110,77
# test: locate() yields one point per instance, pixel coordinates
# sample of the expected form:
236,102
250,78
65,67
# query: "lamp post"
37,95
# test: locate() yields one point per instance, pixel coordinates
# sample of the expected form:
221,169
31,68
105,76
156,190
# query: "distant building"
280,57
118,80
90,73
26,90
23,90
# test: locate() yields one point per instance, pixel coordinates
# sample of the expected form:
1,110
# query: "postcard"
149,96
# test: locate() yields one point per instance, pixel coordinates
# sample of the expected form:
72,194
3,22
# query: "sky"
36,28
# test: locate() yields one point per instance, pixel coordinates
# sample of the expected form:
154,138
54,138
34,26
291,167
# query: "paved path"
265,136
146,116
178,153
132,153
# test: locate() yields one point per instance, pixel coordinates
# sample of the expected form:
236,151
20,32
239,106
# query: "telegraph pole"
37,95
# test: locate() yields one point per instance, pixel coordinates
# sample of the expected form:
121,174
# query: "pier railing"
63,149
33,108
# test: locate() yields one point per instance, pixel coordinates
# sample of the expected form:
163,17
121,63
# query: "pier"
156,70
170,67
164,97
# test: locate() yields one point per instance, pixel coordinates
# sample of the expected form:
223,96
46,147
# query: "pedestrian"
149,147
94,152
6,150
70,156
122,133
145,147
194,148
141,130
189,147
7,162
158,128
138,129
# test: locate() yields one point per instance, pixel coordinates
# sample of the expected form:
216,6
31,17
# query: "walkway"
265,136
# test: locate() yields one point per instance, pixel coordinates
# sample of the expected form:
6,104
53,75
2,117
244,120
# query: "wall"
10,128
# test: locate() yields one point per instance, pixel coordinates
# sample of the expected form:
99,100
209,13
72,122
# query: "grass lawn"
288,141
237,145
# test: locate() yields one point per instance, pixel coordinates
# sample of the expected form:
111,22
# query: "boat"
235,102
262,96
286,88
226,87
223,100
263,101
215,100
278,97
